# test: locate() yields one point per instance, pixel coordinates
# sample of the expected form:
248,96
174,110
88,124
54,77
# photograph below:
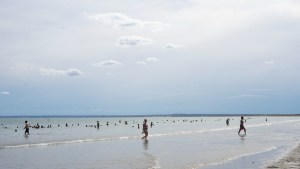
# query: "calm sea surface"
173,142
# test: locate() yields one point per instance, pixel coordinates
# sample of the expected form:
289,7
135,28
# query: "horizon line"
154,115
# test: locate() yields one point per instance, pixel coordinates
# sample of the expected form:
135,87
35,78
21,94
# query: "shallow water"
174,142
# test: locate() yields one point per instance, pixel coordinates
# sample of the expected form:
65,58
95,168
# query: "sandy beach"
291,160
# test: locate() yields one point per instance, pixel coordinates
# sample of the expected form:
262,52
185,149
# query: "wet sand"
291,160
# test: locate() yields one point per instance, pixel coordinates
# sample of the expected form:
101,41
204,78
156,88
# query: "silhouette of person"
227,121
242,127
151,124
145,129
26,128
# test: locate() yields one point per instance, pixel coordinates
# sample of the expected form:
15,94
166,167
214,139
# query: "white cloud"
122,21
245,96
263,90
152,59
73,72
133,41
153,25
172,45
141,63
107,63
5,93
269,62
54,72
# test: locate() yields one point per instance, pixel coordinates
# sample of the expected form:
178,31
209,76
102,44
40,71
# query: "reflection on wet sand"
146,145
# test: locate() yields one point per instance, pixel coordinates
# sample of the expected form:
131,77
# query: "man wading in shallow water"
26,128
242,127
145,129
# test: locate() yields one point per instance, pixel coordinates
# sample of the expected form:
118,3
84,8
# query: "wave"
271,148
67,142
154,161
221,129
231,158
156,165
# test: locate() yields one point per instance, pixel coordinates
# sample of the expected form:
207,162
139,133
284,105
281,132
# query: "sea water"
173,142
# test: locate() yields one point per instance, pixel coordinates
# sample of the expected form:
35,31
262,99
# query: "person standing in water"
98,124
242,127
26,128
145,129
227,121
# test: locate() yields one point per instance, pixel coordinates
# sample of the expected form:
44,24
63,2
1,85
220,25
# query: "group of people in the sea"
144,129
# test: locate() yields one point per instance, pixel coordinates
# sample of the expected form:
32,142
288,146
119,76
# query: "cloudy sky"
118,57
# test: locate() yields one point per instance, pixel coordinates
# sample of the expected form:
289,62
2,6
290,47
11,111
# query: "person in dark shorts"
26,128
145,129
242,127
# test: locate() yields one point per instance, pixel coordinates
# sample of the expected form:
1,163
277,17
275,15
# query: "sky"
137,57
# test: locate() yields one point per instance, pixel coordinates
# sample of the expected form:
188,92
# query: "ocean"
173,142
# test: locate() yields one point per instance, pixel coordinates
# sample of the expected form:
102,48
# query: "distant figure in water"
242,127
66,124
138,126
266,119
26,128
145,129
98,125
227,121
151,124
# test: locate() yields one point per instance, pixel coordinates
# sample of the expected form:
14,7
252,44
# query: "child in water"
242,127
145,129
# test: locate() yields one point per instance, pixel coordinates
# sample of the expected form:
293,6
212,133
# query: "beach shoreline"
201,142
291,160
